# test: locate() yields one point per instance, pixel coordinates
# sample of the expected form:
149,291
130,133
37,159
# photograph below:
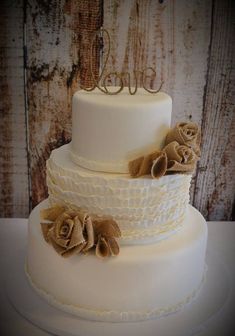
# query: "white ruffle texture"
145,209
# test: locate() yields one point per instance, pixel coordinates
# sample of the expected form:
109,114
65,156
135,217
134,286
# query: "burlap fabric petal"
45,230
142,165
159,165
106,246
89,233
180,158
52,213
106,231
186,133
102,248
113,246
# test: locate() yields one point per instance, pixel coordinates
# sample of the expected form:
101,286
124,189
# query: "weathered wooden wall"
181,39
215,182
14,183
58,36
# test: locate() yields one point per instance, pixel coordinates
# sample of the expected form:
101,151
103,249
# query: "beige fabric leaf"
52,213
159,166
186,133
180,158
113,246
102,248
142,165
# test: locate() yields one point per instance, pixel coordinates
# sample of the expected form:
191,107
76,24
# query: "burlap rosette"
173,158
72,231
186,133
180,158
180,153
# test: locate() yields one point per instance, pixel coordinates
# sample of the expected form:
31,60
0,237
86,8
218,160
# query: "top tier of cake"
110,130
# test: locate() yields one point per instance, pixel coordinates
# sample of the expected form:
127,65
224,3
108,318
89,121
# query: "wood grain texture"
14,195
171,36
215,183
58,35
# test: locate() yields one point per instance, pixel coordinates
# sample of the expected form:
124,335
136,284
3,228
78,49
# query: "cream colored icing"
109,131
146,209
116,316
144,281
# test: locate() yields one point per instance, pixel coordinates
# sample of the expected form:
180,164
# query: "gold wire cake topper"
140,76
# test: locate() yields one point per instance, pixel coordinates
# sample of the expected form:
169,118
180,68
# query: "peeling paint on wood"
14,196
215,183
58,35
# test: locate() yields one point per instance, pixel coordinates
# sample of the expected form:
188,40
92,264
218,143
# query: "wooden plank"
215,183
171,36
58,35
14,194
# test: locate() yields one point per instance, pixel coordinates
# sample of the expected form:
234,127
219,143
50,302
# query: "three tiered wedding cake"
117,239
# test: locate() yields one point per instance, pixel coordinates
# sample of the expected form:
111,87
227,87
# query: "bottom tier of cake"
142,282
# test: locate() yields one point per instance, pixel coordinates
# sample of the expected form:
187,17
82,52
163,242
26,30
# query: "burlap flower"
186,133
179,155
180,158
67,234
105,233
72,231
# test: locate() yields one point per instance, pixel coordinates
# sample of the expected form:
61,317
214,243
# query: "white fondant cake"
109,131
160,266
143,281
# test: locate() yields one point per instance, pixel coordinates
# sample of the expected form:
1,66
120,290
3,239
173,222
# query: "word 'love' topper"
140,76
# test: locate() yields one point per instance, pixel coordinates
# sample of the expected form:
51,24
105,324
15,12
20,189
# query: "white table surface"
14,233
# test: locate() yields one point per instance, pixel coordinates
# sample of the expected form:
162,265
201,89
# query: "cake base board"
193,318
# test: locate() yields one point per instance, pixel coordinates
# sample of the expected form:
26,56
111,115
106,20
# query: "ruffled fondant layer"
144,208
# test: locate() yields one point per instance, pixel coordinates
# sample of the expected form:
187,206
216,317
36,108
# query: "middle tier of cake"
146,210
